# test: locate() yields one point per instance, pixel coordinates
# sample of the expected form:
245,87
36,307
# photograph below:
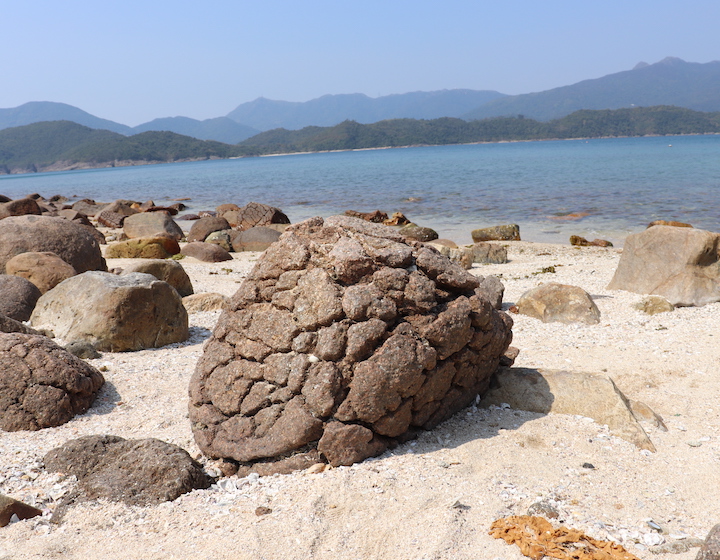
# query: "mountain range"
671,81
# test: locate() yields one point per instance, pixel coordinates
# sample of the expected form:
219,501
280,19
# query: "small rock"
10,509
83,349
652,305
262,510
543,508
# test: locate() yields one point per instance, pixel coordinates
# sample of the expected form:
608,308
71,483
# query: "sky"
133,61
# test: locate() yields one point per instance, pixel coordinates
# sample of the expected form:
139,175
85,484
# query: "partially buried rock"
44,269
83,349
168,271
206,252
418,233
344,339
652,305
18,297
582,242
10,507
207,301
489,253
8,325
114,313
42,385
559,303
510,232
136,472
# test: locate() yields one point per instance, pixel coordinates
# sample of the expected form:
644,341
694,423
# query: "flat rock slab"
136,472
587,394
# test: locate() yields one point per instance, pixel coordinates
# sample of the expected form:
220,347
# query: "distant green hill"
64,144
61,145
408,132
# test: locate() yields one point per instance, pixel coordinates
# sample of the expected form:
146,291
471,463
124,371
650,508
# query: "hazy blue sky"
133,61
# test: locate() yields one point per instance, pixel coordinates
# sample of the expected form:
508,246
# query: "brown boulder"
18,297
680,264
255,214
151,224
206,252
510,232
88,206
205,226
45,270
42,385
168,271
418,233
10,507
8,325
668,223
347,337
72,242
114,313
376,216
19,207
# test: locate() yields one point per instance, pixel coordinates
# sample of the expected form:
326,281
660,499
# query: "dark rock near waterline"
42,384
510,232
20,207
345,338
151,224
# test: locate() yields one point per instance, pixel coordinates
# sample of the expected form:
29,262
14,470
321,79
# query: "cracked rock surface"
344,339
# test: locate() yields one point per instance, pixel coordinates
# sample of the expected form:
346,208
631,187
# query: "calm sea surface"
622,184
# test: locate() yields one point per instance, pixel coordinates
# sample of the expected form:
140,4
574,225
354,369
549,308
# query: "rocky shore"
432,497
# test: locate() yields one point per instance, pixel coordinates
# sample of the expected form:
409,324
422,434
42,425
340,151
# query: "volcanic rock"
344,339
42,385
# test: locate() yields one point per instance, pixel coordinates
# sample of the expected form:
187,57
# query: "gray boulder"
206,252
151,224
18,297
345,337
42,385
680,264
72,242
257,238
559,303
114,313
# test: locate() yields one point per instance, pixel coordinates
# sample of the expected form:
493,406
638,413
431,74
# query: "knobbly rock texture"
710,549
42,385
168,271
137,472
72,242
45,270
18,297
678,263
114,313
561,303
254,214
344,339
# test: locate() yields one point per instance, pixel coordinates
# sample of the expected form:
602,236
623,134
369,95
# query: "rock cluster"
344,339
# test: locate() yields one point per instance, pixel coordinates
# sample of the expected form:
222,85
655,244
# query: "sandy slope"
433,498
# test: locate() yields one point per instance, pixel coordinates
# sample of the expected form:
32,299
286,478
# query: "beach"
436,496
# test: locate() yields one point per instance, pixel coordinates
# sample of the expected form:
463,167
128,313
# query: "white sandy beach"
433,498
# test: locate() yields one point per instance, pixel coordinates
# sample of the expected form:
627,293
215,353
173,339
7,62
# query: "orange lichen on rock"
537,538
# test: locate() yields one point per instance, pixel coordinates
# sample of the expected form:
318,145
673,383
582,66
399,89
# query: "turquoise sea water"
621,183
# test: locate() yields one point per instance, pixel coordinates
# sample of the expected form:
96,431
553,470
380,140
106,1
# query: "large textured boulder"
205,226
168,271
678,263
42,385
137,472
151,224
44,269
344,338
18,297
72,242
114,313
19,207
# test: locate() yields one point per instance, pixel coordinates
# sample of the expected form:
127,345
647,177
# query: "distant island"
65,145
